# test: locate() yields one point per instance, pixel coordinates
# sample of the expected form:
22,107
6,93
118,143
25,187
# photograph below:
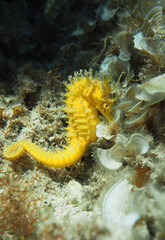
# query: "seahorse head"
96,91
102,98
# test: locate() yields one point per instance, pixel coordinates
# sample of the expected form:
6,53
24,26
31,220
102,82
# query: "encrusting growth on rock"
86,97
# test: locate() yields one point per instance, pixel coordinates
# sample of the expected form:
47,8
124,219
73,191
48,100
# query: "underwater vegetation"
141,101
113,158
19,210
138,124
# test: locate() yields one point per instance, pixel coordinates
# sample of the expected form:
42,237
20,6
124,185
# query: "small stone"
75,192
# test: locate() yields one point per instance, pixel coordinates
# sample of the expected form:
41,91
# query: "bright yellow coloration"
85,97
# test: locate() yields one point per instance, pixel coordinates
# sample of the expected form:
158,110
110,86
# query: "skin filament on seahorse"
86,97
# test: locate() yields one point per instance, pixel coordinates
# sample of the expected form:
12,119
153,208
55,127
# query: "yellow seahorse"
86,97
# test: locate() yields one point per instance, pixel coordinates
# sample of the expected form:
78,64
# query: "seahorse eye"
106,106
